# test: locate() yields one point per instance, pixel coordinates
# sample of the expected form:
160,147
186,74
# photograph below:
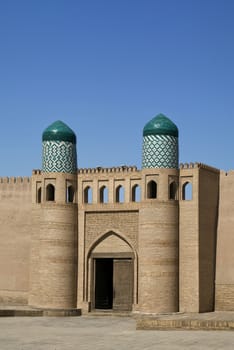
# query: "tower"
160,144
53,274
158,218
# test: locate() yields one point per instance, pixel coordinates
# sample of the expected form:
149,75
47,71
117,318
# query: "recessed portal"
113,284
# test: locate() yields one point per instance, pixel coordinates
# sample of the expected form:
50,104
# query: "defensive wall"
15,233
115,222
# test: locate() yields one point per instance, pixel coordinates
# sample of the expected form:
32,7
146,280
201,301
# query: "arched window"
88,195
152,189
39,195
119,194
50,193
103,194
136,193
173,190
70,194
187,191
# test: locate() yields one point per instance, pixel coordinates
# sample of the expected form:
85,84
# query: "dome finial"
59,131
160,125
160,143
59,149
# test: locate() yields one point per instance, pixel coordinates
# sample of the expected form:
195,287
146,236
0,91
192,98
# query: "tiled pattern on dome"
160,151
59,157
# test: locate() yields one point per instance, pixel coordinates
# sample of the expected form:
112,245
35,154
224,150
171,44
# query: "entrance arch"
111,273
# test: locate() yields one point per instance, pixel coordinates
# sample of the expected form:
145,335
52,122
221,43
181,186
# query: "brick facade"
181,249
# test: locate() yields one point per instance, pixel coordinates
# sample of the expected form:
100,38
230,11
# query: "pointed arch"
88,263
119,194
50,193
103,194
136,193
152,189
70,194
39,195
88,195
173,190
102,237
187,191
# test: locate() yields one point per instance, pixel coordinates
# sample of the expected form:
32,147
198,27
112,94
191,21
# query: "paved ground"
101,333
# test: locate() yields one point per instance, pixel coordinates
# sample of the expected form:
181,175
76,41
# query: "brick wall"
15,229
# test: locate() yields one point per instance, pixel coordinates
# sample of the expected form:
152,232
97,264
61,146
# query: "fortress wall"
208,216
15,230
98,220
158,243
224,299
58,258
54,243
158,257
111,178
198,224
189,244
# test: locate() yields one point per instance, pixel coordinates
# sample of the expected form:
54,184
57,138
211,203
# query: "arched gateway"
111,264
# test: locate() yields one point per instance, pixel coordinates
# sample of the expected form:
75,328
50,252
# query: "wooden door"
122,284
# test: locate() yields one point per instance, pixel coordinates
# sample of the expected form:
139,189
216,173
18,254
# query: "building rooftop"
160,125
59,131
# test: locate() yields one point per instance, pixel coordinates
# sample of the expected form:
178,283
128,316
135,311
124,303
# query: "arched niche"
152,189
187,191
119,194
88,195
50,193
136,193
103,194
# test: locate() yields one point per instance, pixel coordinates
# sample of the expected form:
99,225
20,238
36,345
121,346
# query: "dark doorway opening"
104,283
113,283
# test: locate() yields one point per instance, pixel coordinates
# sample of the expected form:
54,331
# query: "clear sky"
106,67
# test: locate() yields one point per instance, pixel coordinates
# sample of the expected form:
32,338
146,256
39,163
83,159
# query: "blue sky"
106,67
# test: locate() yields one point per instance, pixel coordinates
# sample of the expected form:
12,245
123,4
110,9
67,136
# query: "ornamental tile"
160,151
59,156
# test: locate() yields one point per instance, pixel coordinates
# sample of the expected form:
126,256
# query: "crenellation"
4,180
36,172
198,165
97,170
209,168
15,180
228,173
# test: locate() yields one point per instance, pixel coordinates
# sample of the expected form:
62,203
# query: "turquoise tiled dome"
59,131
59,149
160,125
160,143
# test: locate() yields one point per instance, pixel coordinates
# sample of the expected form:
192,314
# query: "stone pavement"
101,333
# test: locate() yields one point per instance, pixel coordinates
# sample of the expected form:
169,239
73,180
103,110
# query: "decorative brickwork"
120,222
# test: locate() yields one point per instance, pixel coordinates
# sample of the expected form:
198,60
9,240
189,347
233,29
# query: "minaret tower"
53,276
158,218
160,144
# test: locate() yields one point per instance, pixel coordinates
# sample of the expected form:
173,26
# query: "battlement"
227,173
97,170
15,180
198,165
36,172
